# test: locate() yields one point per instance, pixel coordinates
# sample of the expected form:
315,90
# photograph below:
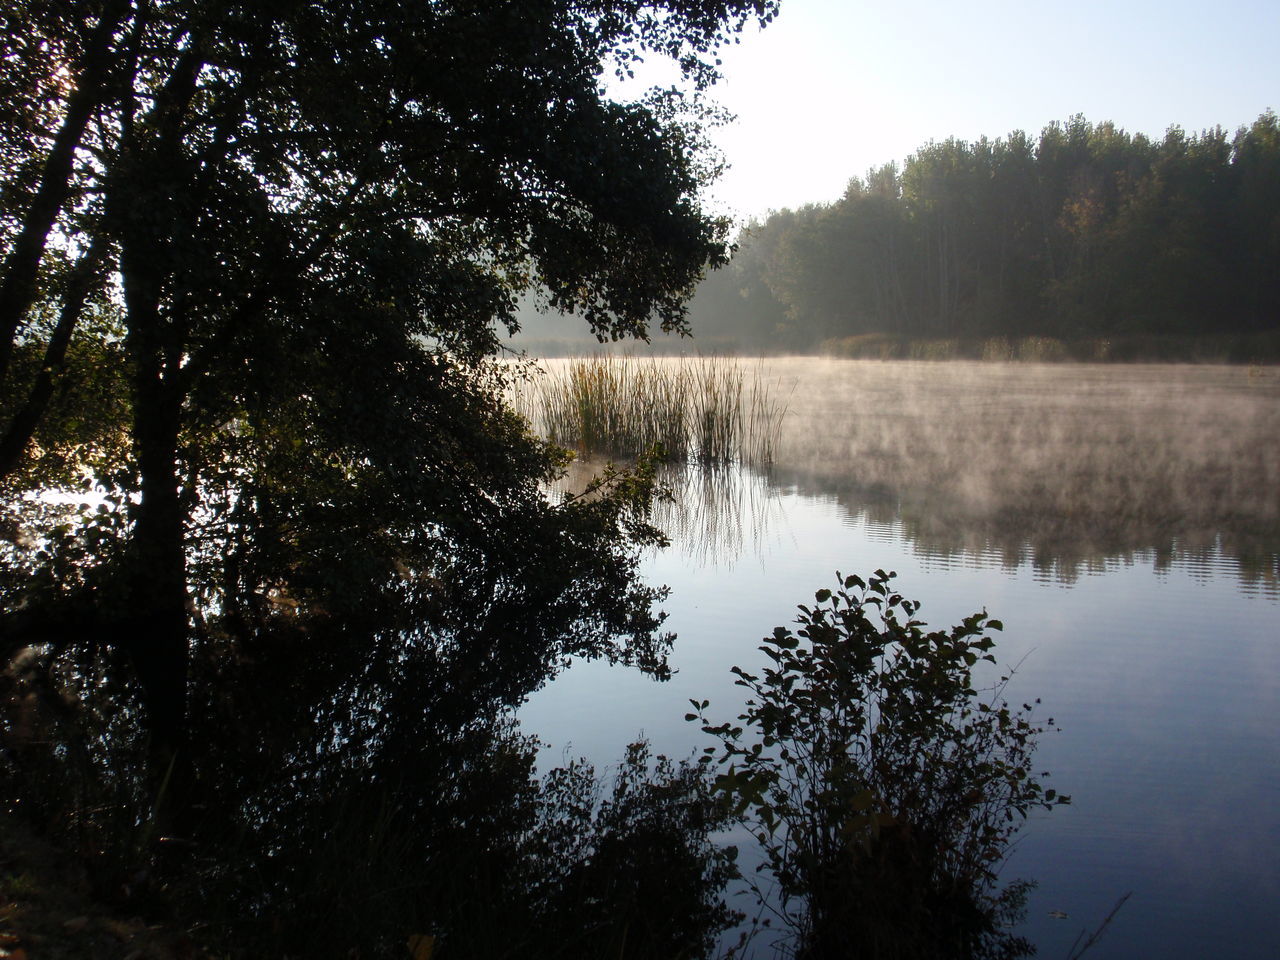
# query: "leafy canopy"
256,256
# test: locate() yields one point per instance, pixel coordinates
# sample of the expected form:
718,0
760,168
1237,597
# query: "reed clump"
709,409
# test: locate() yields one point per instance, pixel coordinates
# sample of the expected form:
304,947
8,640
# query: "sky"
833,88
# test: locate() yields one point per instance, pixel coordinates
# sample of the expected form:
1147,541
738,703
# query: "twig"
1094,937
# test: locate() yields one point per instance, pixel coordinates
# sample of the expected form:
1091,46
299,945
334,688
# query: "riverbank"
1239,349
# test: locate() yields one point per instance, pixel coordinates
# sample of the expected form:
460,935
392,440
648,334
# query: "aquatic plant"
711,409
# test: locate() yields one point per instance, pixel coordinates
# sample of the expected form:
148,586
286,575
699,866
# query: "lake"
1123,522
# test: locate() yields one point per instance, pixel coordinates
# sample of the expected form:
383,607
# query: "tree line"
1086,231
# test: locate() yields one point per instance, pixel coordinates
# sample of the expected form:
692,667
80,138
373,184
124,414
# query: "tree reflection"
355,780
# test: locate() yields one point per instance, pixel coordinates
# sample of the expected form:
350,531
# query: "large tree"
269,245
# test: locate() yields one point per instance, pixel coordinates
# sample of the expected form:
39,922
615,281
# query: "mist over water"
1061,466
1124,523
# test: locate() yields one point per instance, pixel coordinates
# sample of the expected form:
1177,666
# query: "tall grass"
710,409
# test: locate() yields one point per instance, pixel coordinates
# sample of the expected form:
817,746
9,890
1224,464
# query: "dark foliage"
277,560
882,787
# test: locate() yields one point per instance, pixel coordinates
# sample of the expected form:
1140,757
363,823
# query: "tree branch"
24,422
17,285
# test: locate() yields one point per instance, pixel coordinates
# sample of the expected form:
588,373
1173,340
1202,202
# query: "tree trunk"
146,224
155,630
158,582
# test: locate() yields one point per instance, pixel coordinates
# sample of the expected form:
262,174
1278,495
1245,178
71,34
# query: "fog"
1064,466
1069,462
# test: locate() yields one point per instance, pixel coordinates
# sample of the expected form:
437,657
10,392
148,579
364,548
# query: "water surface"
1123,522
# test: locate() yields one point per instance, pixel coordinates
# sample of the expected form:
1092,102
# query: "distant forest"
1085,232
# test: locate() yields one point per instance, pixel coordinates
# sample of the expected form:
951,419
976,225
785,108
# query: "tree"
883,789
301,224
1256,214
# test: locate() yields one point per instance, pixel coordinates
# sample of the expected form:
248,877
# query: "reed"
709,409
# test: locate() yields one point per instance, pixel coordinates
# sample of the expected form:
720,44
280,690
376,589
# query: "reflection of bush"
344,778
881,786
641,878
329,851
351,778
490,861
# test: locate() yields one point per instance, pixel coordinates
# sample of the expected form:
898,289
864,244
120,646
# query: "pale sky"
834,87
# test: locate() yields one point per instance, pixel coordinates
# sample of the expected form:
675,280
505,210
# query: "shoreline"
1260,349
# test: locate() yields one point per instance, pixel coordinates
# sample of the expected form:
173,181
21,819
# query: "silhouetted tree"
280,238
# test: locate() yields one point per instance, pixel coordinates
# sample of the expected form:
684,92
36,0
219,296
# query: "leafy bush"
882,786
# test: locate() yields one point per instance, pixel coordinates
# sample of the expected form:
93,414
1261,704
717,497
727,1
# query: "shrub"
882,786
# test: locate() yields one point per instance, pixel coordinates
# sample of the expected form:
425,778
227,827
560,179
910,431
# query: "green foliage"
255,259
882,786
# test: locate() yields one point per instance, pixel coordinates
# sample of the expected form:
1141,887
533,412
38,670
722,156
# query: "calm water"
1123,522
